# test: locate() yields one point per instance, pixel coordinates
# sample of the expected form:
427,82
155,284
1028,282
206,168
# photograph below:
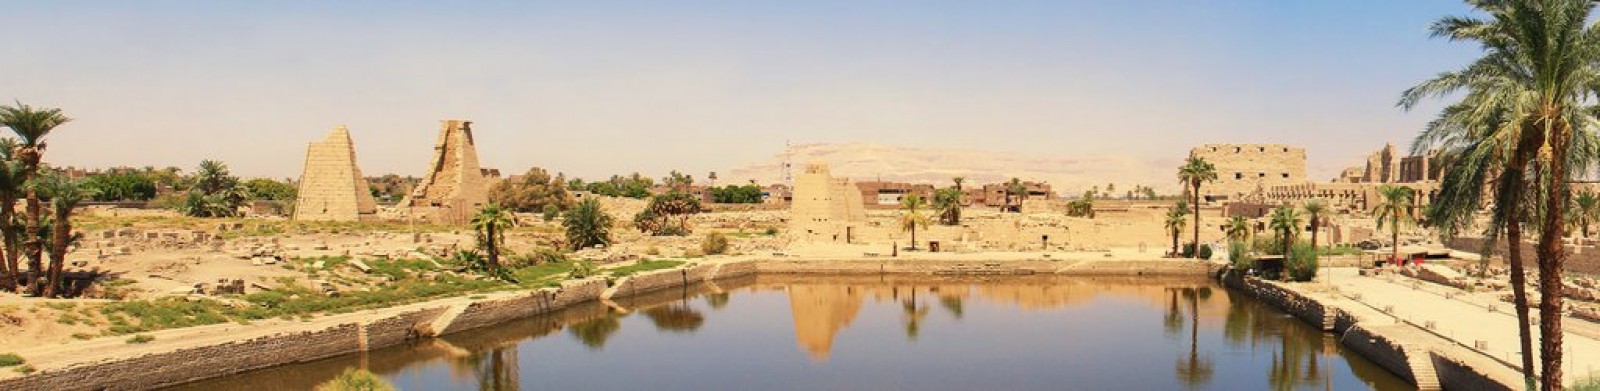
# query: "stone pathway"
1465,319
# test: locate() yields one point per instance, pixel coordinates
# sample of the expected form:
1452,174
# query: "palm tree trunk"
1394,227
9,251
913,236
491,247
1551,256
1175,233
1313,233
33,245
59,236
1519,278
1196,252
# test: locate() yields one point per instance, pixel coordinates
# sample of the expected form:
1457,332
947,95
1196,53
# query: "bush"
141,338
1188,250
714,243
1239,256
11,360
550,212
772,231
1301,264
356,380
1205,251
581,269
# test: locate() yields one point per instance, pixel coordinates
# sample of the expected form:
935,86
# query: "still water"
771,333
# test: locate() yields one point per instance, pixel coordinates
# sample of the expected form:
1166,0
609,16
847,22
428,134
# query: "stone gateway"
331,187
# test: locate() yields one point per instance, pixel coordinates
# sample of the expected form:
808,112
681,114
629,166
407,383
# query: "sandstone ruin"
331,187
825,208
455,185
1246,169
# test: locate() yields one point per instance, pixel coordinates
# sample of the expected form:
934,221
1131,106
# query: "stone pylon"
455,186
331,187
825,208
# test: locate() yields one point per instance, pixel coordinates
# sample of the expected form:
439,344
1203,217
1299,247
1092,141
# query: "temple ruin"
331,187
825,208
455,186
1248,169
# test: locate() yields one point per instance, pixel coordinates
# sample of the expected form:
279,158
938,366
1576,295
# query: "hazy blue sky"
598,87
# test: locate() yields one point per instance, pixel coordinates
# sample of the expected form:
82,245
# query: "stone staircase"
1422,370
1330,317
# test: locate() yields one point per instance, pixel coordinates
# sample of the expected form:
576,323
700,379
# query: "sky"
593,88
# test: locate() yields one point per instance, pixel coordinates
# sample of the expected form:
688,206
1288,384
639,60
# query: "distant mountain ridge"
866,161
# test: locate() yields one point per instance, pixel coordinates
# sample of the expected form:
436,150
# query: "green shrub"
11,360
1239,256
26,369
1205,251
772,231
714,243
1188,251
581,269
1301,264
141,338
551,211
356,380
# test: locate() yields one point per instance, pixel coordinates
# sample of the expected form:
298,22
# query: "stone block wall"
1243,169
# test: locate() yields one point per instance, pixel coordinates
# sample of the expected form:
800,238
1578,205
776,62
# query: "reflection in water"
820,311
1194,370
595,332
676,317
1014,333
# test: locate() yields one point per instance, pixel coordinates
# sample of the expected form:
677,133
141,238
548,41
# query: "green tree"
1534,83
1016,191
1285,222
587,225
490,224
1586,207
910,217
64,194
125,186
947,202
213,192
12,188
270,190
1195,172
1394,208
1176,218
668,214
1314,211
31,125
531,192
1082,207
1238,229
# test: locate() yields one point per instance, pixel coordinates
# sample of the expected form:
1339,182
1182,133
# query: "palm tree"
1285,222
1533,89
31,125
1314,210
491,223
1394,207
1175,222
1195,172
1015,190
64,195
1238,229
1586,209
947,202
11,189
587,225
912,218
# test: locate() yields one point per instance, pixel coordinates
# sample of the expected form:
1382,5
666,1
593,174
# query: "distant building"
1246,169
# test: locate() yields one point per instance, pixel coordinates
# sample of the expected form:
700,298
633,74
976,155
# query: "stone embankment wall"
1383,345
353,333
1585,260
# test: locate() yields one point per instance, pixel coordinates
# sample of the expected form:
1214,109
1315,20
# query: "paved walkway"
1466,318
